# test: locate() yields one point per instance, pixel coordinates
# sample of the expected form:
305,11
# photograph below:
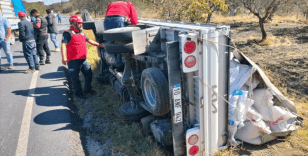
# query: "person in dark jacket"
52,29
41,37
120,14
26,36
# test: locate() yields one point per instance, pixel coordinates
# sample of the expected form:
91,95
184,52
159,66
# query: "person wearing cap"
74,54
120,14
52,29
5,32
26,36
41,36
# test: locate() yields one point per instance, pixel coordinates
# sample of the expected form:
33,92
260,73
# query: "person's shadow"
57,96
54,96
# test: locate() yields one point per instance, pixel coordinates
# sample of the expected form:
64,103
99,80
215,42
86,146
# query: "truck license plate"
177,100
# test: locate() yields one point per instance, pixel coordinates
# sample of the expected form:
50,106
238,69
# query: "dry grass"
269,41
221,19
149,13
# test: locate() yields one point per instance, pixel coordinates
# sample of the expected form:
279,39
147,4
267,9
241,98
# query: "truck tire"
128,112
123,33
88,25
12,38
119,48
155,91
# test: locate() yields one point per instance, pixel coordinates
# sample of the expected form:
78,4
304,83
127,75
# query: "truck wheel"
127,111
12,38
119,48
123,33
155,91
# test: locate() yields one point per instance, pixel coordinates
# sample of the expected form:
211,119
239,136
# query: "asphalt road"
35,114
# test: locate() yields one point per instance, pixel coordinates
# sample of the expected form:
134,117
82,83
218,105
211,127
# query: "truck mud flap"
175,96
88,25
162,131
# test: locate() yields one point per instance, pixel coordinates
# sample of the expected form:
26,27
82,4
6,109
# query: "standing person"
5,32
26,36
52,29
59,18
74,53
41,37
120,14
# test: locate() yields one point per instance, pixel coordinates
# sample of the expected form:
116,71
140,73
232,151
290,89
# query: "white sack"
253,83
242,108
238,107
252,114
239,74
281,118
252,134
263,101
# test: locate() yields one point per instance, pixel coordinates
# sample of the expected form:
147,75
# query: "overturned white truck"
179,74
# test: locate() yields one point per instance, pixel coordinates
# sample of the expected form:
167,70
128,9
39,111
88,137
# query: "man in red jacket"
120,14
74,53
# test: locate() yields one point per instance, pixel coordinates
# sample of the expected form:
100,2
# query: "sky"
46,2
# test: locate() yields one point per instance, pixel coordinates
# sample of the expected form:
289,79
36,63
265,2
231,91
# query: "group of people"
34,35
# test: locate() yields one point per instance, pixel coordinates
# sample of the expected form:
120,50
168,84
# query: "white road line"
63,27
25,125
22,145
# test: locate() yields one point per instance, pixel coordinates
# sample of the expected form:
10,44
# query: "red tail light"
190,61
193,150
189,47
193,139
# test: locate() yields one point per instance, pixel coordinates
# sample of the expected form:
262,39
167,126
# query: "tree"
262,9
303,7
203,7
190,10
233,6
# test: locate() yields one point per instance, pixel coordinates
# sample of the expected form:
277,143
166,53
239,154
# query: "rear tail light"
194,150
193,139
190,61
193,142
189,47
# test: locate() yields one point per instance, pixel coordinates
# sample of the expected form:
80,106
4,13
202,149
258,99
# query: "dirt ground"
284,58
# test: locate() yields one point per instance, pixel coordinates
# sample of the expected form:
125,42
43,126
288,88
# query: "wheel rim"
149,93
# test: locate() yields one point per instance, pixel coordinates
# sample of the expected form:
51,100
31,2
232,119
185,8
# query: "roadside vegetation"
39,6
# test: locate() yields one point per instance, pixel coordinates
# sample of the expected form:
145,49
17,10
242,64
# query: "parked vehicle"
10,9
179,73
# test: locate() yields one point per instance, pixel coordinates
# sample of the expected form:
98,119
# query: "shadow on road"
5,71
15,57
57,96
